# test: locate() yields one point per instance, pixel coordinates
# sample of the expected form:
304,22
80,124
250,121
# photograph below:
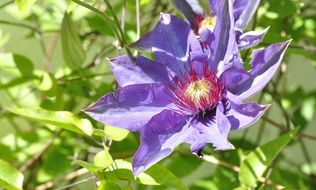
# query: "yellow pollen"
208,22
197,91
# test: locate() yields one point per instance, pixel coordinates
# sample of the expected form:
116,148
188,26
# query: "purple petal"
264,63
233,76
243,12
243,115
143,71
250,39
130,107
208,130
171,41
190,9
224,32
159,137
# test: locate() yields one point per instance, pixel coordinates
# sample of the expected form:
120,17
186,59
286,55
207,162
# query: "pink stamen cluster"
196,93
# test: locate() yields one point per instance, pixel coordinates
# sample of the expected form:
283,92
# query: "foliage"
53,63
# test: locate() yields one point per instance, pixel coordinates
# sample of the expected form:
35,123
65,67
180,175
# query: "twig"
137,19
36,157
19,25
123,16
69,176
6,4
213,160
49,50
283,128
76,183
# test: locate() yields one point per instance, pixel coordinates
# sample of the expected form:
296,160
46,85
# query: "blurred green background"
53,63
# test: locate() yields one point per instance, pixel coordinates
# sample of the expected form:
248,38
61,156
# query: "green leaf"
258,161
106,186
103,159
156,175
10,178
190,163
16,65
115,133
62,119
24,5
73,52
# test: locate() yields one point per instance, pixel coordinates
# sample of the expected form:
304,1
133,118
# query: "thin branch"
69,176
283,128
137,19
123,16
37,156
6,4
19,25
213,160
76,183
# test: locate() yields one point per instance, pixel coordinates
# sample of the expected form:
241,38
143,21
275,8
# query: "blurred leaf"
73,52
258,161
10,178
91,167
56,154
16,64
309,168
115,133
24,5
156,175
290,179
103,159
183,165
97,23
308,108
109,186
62,119
45,81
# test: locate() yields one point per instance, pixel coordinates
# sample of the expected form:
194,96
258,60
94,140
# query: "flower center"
208,22
198,91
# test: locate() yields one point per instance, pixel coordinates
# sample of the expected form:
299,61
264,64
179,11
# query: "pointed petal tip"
165,18
228,147
138,170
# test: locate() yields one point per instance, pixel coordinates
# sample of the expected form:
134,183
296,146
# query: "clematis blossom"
181,96
206,23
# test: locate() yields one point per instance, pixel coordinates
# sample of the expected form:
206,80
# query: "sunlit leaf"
61,119
24,5
156,175
115,133
73,52
10,178
103,159
258,161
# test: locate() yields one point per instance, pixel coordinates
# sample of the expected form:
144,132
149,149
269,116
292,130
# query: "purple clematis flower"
184,95
238,17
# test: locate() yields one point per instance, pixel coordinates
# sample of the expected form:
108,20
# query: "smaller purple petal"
159,137
212,129
223,46
130,107
171,41
243,115
252,38
243,12
233,76
143,71
190,9
264,63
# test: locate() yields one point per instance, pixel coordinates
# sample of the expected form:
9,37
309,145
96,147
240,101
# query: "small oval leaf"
10,178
